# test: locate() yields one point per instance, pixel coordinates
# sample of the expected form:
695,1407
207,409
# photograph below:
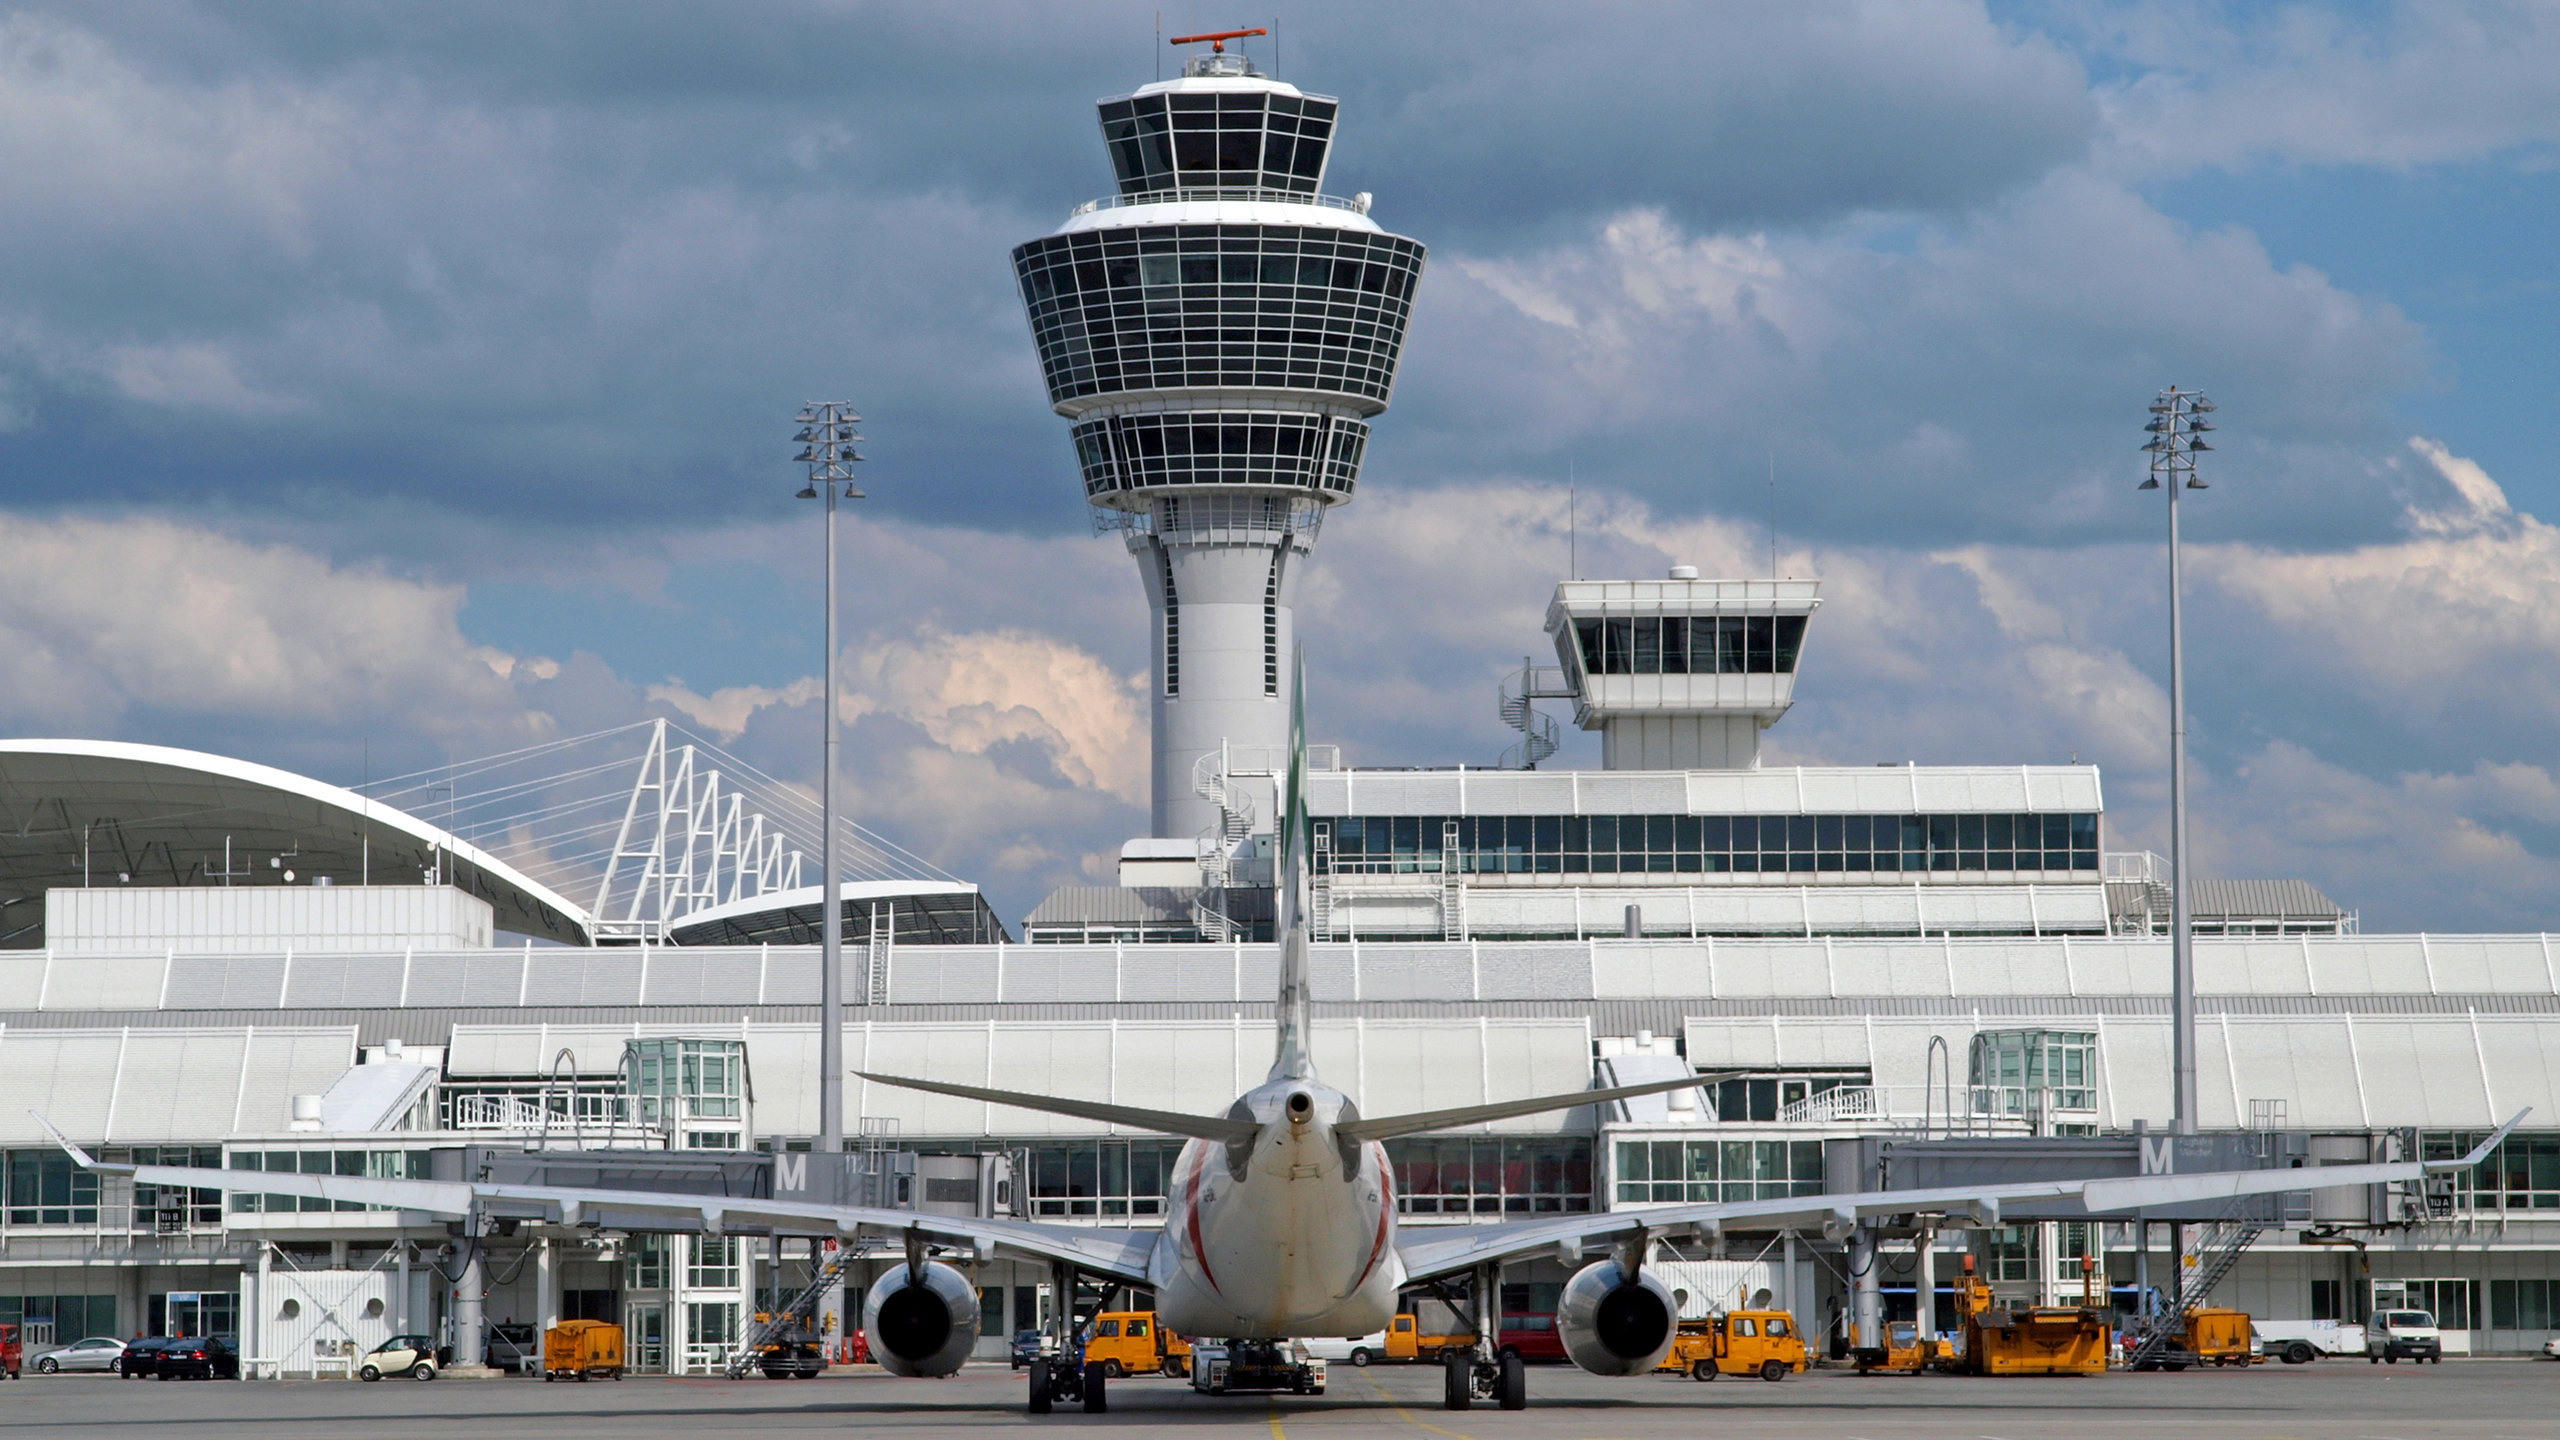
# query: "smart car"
410,1355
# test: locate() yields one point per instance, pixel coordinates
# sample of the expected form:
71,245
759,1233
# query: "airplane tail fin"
1293,1057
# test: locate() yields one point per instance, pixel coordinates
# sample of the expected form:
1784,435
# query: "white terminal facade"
1885,964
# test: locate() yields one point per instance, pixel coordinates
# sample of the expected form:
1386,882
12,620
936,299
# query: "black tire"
1039,1386
1511,1385
1702,1370
2299,1353
116,1366
1173,1367
1773,1371
1112,1369
422,1371
2390,1359
48,1366
1096,1376
1360,1358
1457,1381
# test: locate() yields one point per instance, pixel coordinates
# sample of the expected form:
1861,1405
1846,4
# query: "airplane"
1283,1216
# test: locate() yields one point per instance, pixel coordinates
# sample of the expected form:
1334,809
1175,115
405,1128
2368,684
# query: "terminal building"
1886,971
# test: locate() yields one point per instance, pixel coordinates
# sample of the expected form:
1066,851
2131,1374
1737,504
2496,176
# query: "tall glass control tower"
1219,332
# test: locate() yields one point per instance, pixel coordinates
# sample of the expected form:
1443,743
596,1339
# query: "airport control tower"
1220,333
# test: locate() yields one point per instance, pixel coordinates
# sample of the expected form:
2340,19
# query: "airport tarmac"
2329,1400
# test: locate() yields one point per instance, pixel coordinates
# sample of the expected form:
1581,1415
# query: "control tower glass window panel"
1219,333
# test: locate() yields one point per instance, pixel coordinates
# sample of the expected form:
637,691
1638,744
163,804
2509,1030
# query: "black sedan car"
202,1357
142,1357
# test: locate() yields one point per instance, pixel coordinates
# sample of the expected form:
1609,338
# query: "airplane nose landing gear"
1504,1381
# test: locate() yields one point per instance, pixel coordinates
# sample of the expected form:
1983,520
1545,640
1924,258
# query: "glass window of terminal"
1707,844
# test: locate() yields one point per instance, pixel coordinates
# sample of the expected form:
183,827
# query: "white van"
1359,1349
2412,1333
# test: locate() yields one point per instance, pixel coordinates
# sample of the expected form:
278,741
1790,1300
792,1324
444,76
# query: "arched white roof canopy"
87,811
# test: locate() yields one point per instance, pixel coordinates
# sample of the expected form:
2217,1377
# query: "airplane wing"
1117,1252
1431,1253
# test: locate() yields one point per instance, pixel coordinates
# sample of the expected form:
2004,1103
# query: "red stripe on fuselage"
1191,1203
1386,1207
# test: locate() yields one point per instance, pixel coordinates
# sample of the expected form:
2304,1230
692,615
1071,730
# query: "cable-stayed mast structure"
1220,332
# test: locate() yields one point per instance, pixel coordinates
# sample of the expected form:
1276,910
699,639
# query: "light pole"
2177,435
827,438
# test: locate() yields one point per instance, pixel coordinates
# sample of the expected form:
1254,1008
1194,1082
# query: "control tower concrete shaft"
1220,333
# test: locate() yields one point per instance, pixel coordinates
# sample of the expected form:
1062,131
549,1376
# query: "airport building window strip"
2454,1303
1196,306
173,1206
1492,1175
1691,645
1172,625
2524,1305
1284,449
1248,140
712,1263
371,1164
2031,1072
1106,1179
2522,1174
46,1188
1677,1172
686,1079
73,1317
1716,844
1271,624
647,1262
1765,1099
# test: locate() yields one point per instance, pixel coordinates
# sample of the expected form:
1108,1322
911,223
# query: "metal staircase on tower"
1539,737
1218,845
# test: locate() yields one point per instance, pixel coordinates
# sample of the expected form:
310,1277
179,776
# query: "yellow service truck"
1134,1342
1765,1343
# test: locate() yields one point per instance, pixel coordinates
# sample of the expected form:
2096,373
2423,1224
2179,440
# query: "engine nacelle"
1614,1325
921,1325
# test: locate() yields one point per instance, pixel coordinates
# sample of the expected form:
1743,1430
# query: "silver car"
98,1353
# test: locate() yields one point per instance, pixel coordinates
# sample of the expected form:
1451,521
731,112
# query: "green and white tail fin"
1294,1058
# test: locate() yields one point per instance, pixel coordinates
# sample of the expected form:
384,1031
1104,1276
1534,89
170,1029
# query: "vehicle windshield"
2410,1320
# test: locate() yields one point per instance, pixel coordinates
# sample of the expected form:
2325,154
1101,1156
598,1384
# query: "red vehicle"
10,1350
1532,1337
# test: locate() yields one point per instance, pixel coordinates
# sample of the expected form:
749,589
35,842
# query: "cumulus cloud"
103,622
2398,85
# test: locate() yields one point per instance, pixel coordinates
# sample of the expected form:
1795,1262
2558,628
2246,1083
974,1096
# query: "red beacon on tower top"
1218,41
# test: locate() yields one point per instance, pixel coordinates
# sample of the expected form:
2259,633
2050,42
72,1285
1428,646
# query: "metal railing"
525,1113
1176,197
1928,1110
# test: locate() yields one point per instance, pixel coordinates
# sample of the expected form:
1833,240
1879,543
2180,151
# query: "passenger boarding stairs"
2217,1248
802,1308
1539,737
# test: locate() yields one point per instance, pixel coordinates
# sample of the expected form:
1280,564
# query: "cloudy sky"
415,381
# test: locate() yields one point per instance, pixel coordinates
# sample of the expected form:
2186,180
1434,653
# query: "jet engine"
921,1320
1613,1323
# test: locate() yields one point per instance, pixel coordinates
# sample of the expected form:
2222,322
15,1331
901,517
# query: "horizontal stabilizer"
1387,1127
1164,1122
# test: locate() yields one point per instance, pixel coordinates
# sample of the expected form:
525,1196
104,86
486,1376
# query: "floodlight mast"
827,442
2177,432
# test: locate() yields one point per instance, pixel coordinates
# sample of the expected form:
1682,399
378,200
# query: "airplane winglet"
81,1157
2480,1152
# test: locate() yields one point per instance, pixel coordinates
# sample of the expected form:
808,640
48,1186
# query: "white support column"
546,1290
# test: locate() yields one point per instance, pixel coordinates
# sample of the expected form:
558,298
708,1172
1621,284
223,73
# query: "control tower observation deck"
1220,332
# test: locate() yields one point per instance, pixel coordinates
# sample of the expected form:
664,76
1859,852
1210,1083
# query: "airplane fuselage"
1289,1234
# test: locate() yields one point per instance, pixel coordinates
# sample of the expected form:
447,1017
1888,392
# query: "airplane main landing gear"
1504,1381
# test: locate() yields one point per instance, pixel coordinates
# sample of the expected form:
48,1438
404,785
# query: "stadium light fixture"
828,440
2176,433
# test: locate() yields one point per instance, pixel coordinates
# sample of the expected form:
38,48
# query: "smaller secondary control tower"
1220,333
